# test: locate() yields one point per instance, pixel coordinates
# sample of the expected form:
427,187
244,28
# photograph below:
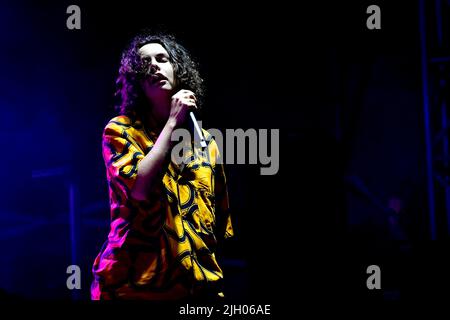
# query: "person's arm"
152,164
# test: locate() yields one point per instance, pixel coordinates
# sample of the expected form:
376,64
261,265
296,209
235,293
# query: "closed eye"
162,58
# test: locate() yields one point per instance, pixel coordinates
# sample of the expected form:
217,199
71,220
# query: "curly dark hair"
129,94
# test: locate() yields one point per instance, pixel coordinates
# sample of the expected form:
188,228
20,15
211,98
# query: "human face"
161,73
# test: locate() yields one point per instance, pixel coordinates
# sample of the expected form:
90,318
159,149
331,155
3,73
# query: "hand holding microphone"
182,102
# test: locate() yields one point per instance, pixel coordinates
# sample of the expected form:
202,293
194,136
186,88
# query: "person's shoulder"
208,136
206,133
119,124
121,120
213,147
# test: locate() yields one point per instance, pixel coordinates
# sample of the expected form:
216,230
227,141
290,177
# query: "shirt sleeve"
121,156
223,216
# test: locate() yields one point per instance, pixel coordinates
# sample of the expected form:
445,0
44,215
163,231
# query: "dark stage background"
351,190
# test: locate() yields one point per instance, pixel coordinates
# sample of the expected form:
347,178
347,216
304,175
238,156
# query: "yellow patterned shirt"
161,248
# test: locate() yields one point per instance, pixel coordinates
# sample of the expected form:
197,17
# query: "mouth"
156,78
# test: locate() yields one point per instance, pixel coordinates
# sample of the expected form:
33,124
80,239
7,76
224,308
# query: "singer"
166,218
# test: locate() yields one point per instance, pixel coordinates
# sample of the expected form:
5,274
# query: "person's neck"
159,113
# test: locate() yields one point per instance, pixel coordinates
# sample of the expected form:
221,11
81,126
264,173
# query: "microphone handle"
198,130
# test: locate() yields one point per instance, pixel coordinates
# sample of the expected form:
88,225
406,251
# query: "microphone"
198,130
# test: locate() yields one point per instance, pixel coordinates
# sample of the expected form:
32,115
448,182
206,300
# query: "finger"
191,105
191,96
188,100
185,92
188,93
182,93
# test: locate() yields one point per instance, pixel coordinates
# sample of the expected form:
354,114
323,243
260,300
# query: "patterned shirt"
163,247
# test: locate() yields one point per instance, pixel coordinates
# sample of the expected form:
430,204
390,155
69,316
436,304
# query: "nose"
153,66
